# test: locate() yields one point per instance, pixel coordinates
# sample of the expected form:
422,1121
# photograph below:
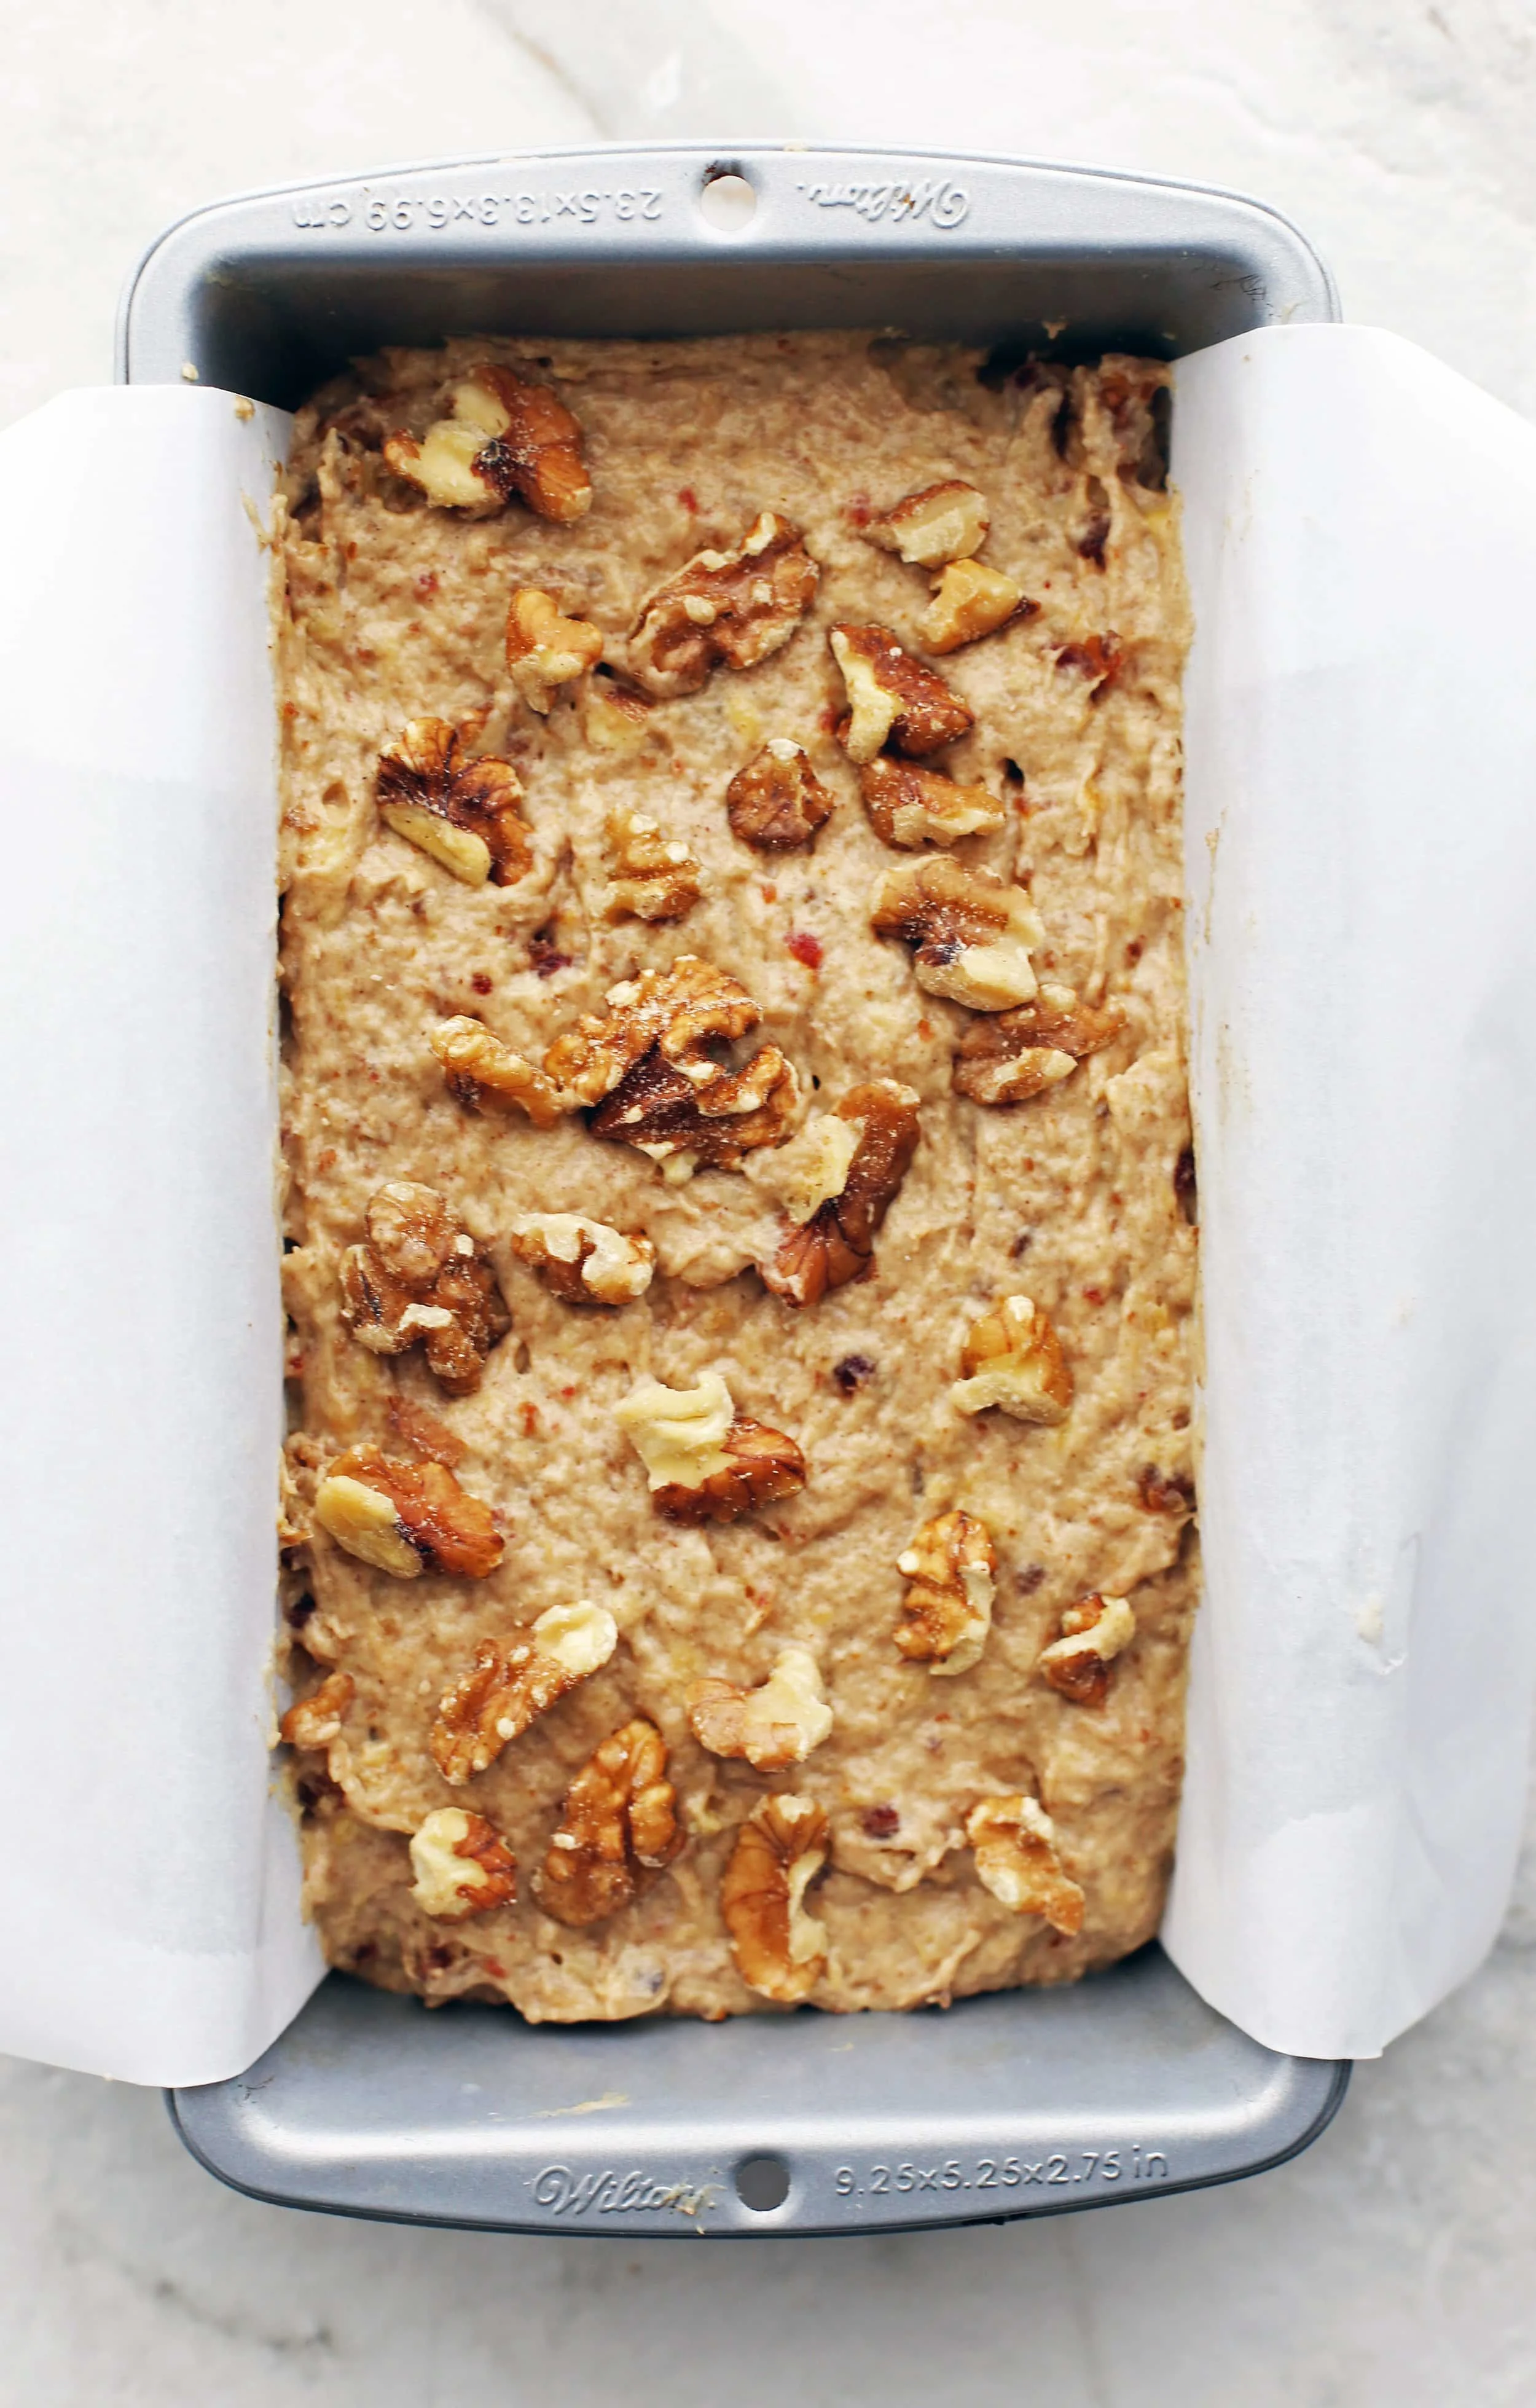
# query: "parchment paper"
1360,528
1361,535
149,1889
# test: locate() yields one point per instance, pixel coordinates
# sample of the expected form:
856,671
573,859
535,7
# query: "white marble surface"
1387,2268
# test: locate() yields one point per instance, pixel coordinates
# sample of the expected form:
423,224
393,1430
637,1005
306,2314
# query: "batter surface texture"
881,1828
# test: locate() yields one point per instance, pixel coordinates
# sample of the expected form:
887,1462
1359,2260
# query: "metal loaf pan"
1022,2104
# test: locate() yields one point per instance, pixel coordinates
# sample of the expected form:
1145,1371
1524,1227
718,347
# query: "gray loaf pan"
1025,2103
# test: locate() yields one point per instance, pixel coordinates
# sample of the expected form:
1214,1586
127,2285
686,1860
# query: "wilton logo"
607,2192
935,197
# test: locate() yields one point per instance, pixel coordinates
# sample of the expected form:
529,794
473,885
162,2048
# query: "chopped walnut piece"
942,522
511,1683
909,806
971,933
314,1721
736,607
1015,1848
487,1076
461,811
582,1261
618,1823
947,1610
971,600
773,1725
420,1278
1012,1055
780,1950
1013,1359
462,1865
704,1461
835,1241
892,698
1092,1632
652,876
644,1063
545,652
405,1518
502,437
613,718
777,802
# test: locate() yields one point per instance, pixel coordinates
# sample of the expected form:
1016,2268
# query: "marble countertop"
1383,2269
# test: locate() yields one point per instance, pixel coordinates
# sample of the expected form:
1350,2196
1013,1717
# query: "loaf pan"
1025,2104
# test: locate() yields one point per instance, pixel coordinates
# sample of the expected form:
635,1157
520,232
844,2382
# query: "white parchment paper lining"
1360,528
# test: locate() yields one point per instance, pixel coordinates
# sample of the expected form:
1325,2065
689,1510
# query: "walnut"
314,1721
1013,1056
405,1518
947,1610
909,806
461,811
618,1823
777,802
463,1867
835,1240
420,1278
511,1683
736,607
971,600
780,1950
1092,1632
971,933
946,522
582,1261
1014,1844
488,1076
1013,1359
704,1461
643,1063
892,698
651,876
545,652
613,719
774,1725
502,437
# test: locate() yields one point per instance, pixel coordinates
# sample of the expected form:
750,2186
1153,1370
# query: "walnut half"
1013,1359
1092,1632
773,1725
314,1721
652,876
944,521
704,1461
947,1611
488,1076
511,1684
909,806
970,934
582,1261
971,600
461,811
463,1866
779,1949
619,1822
502,436
835,1240
892,698
732,607
645,1065
777,802
405,1518
420,1278
1014,1844
544,650
1014,1056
